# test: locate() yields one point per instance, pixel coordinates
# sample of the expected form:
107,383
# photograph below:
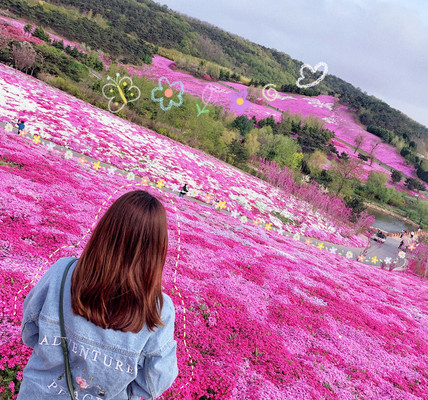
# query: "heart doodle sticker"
313,70
120,93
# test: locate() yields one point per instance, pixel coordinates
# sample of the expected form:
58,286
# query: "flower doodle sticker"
120,93
168,93
239,102
313,70
209,97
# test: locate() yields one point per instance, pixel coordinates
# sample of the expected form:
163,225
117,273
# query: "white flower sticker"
401,254
8,128
387,260
349,254
175,187
50,146
68,154
130,176
296,236
244,219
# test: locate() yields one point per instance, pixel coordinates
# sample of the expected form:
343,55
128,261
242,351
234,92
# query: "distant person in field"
21,126
119,326
184,190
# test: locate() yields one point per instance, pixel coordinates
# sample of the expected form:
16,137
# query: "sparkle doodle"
120,92
269,92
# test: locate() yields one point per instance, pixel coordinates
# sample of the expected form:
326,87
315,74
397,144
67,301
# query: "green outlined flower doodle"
168,93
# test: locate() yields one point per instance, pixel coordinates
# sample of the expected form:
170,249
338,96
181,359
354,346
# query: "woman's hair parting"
117,283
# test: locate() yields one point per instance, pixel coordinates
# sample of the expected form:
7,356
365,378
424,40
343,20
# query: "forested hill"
126,28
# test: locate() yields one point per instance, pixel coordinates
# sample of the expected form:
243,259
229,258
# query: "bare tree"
346,172
358,142
24,56
4,38
372,151
209,49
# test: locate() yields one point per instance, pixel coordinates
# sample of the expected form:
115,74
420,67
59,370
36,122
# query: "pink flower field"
337,117
266,317
259,315
63,119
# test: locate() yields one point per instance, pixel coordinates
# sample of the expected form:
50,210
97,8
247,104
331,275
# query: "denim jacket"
105,364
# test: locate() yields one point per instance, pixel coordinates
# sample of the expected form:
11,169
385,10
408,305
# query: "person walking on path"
21,126
117,338
184,190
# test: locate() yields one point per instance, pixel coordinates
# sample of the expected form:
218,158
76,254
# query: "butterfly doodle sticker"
120,92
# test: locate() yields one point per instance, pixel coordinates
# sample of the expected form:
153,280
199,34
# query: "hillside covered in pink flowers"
259,314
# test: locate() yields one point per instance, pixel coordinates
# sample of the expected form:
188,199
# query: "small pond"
389,223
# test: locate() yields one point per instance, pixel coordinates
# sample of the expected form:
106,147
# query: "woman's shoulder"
168,305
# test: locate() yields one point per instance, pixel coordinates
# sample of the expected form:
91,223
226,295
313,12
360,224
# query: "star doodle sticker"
120,92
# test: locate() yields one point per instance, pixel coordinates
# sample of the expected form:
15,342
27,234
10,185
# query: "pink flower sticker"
82,383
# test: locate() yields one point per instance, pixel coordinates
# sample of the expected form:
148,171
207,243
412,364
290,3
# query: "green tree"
252,143
281,149
243,124
238,155
345,175
316,160
28,28
414,184
375,186
396,176
40,33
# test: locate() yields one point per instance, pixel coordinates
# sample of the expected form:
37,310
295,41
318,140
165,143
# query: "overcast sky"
380,46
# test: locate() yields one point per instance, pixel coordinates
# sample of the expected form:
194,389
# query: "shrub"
40,33
396,176
362,157
418,258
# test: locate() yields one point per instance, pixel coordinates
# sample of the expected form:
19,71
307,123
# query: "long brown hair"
117,281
